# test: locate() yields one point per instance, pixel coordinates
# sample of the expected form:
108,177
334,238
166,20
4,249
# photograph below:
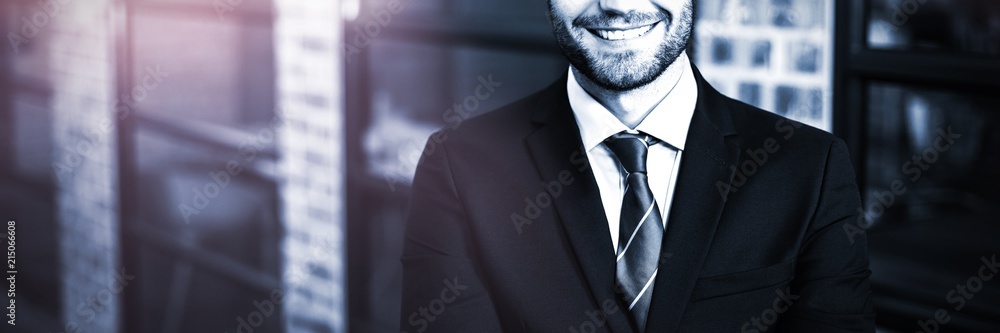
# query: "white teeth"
624,34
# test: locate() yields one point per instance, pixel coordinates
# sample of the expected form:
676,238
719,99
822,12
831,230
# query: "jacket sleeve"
442,286
832,274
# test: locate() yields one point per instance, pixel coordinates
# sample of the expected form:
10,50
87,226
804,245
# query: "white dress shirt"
669,122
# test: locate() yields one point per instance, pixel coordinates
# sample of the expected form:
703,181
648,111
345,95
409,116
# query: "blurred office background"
244,165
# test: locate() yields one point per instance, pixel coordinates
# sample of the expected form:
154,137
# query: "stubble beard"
623,71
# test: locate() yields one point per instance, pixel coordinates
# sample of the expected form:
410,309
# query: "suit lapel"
697,206
556,148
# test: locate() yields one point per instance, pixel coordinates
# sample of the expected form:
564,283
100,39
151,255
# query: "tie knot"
630,149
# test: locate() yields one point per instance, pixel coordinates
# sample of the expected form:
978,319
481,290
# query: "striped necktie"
640,229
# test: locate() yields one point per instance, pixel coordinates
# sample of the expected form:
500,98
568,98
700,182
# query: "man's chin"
621,84
622,73
618,83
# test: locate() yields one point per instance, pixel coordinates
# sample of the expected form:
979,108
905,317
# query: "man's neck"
631,107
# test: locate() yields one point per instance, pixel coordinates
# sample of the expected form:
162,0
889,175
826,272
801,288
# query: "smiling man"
630,196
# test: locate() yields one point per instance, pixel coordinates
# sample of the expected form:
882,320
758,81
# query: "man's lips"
614,34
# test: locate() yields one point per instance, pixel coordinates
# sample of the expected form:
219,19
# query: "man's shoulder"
757,124
512,120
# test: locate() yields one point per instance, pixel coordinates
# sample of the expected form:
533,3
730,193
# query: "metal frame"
133,235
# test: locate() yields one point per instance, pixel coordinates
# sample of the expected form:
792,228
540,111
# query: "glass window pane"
938,144
433,9
532,11
33,141
218,8
189,192
432,86
930,200
224,75
964,26
181,297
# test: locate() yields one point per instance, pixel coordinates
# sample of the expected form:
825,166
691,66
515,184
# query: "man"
630,196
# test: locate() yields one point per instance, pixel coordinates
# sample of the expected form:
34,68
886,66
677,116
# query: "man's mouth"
622,34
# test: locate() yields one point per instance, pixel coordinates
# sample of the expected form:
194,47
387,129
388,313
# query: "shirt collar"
669,121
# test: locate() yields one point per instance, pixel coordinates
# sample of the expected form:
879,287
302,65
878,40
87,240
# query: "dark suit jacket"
507,232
